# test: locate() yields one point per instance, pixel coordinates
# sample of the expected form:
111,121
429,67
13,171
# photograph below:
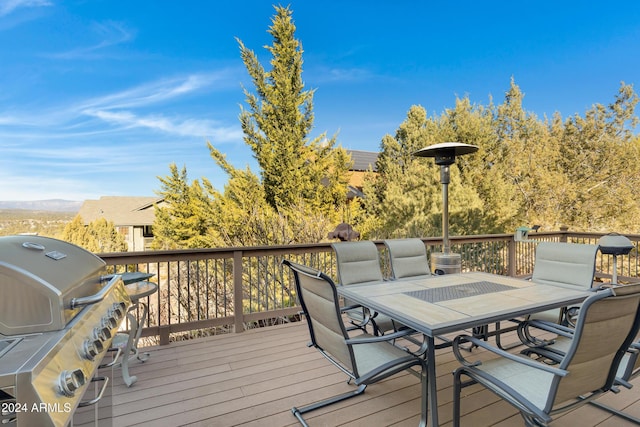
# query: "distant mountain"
53,205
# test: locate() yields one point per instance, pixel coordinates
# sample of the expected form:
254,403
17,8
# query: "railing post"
164,332
512,267
563,237
238,314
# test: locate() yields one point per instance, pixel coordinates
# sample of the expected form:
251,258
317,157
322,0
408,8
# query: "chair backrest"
408,258
319,300
565,264
607,324
358,262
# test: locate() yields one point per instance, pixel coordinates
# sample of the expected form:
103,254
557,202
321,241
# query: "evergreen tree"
581,173
405,196
185,220
104,237
99,236
76,232
599,155
519,166
402,196
303,182
294,169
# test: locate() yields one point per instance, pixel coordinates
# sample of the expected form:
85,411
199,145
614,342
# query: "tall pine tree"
300,177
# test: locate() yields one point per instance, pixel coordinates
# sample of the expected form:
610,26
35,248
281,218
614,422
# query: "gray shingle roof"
122,211
362,160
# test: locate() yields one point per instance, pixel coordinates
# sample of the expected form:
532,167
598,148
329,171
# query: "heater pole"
445,155
444,179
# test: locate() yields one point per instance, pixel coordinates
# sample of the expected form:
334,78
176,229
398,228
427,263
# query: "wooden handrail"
235,288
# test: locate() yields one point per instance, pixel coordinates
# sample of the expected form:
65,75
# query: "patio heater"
445,155
615,244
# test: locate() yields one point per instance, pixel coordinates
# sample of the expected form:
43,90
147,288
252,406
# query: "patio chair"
359,263
552,352
408,258
564,265
364,358
607,323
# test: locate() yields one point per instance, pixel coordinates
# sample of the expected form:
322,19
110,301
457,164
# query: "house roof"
363,160
122,211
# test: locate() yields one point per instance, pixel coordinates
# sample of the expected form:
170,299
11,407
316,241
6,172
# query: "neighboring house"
132,216
363,161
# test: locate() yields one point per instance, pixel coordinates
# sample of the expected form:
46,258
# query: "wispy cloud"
181,127
110,33
138,107
8,6
155,92
75,150
119,109
347,75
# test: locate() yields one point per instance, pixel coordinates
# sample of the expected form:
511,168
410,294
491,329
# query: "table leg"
431,378
141,356
124,364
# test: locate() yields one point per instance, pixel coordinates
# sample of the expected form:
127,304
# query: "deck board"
255,377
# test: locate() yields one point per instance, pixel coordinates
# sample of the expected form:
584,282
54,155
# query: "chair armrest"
528,339
358,323
371,339
349,307
549,327
518,359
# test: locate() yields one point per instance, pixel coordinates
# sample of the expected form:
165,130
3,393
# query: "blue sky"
98,97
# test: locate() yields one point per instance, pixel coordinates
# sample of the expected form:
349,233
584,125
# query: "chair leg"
297,412
457,386
424,400
530,421
617,412
499,342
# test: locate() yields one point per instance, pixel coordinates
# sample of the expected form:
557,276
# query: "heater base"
446,263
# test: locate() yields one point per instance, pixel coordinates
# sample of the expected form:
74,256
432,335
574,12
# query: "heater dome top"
446,152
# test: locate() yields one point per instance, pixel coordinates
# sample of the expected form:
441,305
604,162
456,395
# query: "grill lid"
39,279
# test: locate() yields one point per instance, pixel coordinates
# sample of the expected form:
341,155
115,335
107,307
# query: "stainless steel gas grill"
59,311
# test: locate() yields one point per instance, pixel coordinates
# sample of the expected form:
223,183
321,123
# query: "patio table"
129,341
448,303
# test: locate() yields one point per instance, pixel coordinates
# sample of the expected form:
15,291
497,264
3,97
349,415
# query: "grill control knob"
92,348
70,381
109,322
117,311
101,334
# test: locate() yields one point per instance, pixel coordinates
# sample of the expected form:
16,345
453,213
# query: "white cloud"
155,92
30,187
189,127
9,120
121,111
8,6
348,75
112,144
111,33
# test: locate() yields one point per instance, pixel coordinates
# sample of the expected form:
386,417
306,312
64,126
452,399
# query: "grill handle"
92,299
105,382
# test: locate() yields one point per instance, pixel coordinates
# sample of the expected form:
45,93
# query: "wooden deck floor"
254,378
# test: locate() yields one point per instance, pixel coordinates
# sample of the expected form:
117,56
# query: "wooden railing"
208,291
